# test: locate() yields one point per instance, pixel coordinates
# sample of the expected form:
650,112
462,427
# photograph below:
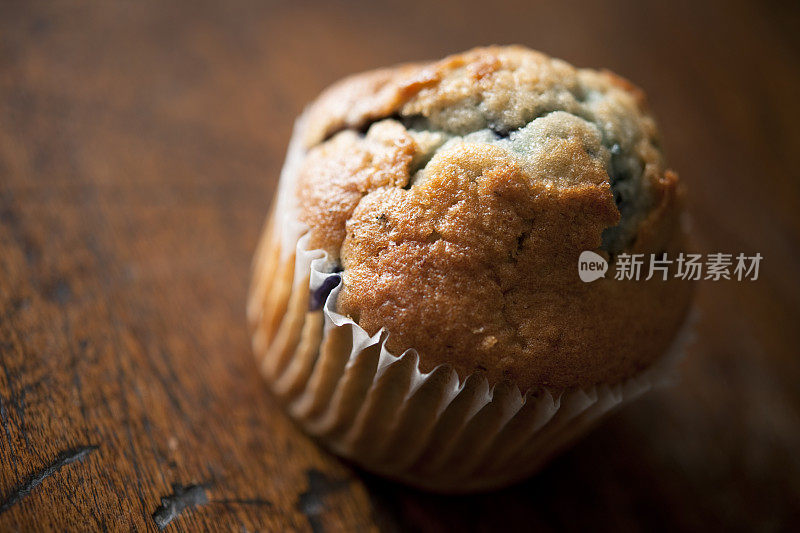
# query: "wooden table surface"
140,144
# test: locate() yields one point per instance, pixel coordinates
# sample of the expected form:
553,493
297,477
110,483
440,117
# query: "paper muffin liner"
432,430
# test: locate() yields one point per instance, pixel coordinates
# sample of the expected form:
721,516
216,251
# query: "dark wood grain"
139,148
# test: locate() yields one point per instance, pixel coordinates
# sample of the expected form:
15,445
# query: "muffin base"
431,430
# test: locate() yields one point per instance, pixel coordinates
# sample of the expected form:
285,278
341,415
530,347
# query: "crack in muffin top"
457,195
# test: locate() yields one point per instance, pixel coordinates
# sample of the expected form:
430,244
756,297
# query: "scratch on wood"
312,502
62,459
186,496
182,497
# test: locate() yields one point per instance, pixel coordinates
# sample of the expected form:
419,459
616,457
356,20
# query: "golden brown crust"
357,99
336,175
471,258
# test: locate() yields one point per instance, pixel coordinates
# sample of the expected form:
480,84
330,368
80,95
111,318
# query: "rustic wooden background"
139,148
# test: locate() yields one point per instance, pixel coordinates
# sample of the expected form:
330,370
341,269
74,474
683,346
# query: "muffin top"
456,196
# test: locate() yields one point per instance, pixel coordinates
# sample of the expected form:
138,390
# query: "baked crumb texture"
456,197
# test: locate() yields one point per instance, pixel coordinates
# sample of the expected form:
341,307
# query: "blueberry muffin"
416,300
